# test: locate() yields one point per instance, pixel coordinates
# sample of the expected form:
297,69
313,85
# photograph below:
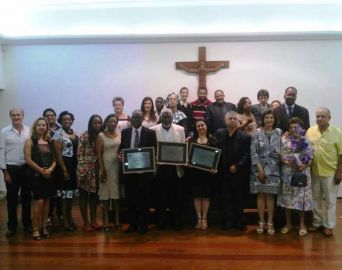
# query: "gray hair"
16,108
165,110
118,99
231,113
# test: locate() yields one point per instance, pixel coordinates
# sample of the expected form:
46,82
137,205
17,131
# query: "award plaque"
138,160
172,153
204,157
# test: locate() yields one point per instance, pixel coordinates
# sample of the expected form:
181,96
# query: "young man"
258,109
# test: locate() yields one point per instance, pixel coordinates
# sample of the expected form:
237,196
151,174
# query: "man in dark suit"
138,185
216,112
234,162
289,109
262,106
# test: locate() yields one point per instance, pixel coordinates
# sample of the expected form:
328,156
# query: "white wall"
84,78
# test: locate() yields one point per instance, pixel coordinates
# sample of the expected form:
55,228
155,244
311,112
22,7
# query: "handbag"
299,179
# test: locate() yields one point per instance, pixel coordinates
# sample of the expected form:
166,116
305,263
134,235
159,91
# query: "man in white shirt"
168,179
12,163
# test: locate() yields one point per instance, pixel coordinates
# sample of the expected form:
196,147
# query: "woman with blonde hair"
40,158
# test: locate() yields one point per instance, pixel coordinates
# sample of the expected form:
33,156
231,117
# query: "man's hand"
338,176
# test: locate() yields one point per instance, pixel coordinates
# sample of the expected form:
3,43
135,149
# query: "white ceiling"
58,18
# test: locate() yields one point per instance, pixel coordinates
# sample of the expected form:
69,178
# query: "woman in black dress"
65,144
40,158
202,181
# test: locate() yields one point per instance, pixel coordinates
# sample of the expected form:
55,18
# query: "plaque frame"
210,149
125,161
160,147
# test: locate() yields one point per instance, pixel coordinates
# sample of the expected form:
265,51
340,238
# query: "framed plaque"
138,160
204,157
172,153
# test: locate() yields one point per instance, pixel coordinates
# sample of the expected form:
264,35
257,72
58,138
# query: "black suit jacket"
216,113
147,139
241,151
298,111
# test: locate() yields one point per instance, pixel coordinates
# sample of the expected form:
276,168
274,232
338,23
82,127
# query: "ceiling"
109,18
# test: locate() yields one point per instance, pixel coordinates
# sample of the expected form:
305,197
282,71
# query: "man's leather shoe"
142,230
130,229
10,233
242,227
28,229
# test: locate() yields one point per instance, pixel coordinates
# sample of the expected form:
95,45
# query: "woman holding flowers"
296,156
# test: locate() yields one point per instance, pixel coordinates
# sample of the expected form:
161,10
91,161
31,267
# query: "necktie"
136,139
290,111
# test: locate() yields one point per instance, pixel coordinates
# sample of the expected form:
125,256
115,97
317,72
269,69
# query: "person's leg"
270,212
330,194
105,214
198,209
205,209
38,207
288,225
12,203
69,213
83,203
261,204
117,212
317,197
93,199
25,193
45,217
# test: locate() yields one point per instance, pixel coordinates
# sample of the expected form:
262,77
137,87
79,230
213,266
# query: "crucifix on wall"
202,66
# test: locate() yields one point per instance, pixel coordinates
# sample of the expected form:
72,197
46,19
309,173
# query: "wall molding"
174,38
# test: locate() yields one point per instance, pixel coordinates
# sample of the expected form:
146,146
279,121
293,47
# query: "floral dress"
265,150
295,148
87,166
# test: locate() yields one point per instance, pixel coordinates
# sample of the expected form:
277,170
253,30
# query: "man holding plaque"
235,158
169,176
138,185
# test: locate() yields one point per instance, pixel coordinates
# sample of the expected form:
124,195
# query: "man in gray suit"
262,106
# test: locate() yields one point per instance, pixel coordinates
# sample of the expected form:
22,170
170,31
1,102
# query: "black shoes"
10,233
28,229
130,229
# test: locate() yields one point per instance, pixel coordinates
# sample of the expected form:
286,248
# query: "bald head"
323,117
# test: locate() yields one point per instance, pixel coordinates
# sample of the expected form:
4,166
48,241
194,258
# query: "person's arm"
7,177
338,173
81,152
58,146
99,153
255,157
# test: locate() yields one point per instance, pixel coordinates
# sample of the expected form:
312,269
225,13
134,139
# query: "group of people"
269,149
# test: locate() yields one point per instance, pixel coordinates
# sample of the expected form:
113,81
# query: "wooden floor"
187,249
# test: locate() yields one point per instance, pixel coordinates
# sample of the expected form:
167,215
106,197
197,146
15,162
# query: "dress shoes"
142,230
10,233
242,227
130,229
28,229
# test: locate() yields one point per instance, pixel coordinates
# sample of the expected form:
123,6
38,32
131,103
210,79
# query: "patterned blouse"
62,137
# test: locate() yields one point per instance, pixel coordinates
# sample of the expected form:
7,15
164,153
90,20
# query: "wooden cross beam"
202,67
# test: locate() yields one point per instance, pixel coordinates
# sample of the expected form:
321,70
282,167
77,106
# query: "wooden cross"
202,67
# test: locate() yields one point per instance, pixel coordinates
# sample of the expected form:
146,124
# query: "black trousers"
138,196
20,181
169,193
233,199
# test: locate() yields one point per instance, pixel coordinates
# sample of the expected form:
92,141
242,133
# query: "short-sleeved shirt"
62,137
327,149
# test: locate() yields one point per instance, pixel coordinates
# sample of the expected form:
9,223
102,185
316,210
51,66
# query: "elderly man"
217,111
235,158
290,109
326,170
168,176
138,185
12,163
